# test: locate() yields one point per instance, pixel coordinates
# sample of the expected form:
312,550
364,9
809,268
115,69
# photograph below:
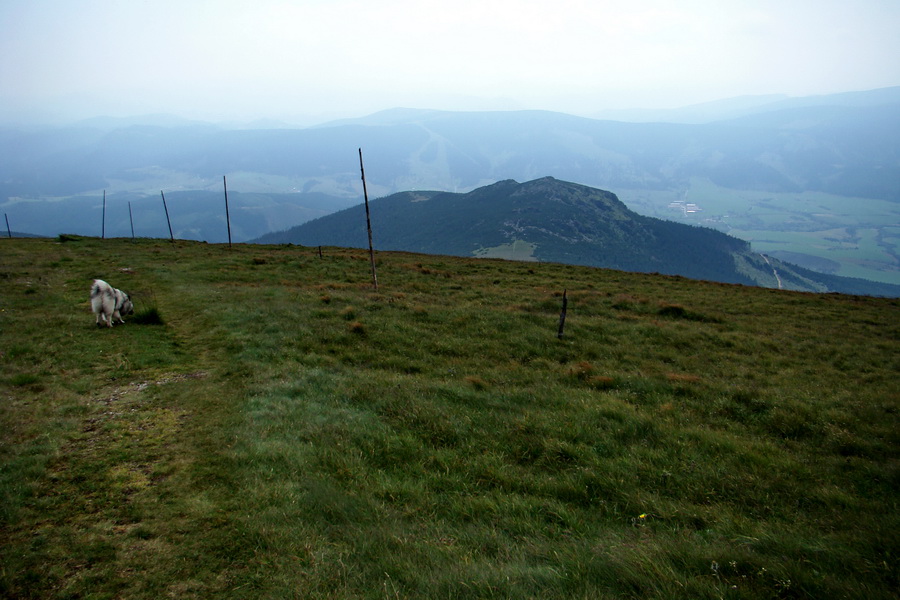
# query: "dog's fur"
109,304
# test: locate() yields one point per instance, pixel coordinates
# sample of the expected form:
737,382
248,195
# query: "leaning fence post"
103,221
131,219
166,208
8,231
368,221
227,218
562,316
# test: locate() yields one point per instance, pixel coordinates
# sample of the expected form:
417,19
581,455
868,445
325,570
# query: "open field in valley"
851,237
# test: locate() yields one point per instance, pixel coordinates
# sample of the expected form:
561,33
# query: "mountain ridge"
747,105
550,220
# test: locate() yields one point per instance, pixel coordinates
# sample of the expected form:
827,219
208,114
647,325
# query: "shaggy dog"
109,304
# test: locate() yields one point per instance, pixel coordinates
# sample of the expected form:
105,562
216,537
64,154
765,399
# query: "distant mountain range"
744,106
755,156
848,145
556,221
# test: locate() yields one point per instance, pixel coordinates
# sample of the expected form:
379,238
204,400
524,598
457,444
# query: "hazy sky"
306,59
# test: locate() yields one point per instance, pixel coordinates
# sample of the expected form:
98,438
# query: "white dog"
109,304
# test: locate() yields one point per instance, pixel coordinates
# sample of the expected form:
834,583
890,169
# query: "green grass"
272,427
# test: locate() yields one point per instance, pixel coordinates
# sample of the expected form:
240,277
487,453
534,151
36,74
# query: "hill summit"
549,220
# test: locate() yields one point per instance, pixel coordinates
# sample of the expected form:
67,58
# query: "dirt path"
774,272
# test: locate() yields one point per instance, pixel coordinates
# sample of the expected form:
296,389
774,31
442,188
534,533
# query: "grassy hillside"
563,222
270,426
555,221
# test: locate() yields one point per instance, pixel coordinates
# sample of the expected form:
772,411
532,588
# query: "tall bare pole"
368,220
166,208
227,218
103,225
8,231
131,218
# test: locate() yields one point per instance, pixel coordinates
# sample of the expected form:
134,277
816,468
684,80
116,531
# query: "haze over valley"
813,181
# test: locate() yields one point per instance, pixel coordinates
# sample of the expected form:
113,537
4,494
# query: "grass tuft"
583,370
149,316
477,382
602,382
68,237
23,379
676,311
683,378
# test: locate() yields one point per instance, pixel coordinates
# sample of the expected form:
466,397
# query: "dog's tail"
97,288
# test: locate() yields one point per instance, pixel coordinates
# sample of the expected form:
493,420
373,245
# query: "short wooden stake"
562,316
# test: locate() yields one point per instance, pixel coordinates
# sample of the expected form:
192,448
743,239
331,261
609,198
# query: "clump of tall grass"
148,316
68,237
23,379
676,311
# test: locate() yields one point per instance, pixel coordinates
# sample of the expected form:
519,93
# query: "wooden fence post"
103,221
166,208
368,221
227,217
562,316
8,231
131,219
